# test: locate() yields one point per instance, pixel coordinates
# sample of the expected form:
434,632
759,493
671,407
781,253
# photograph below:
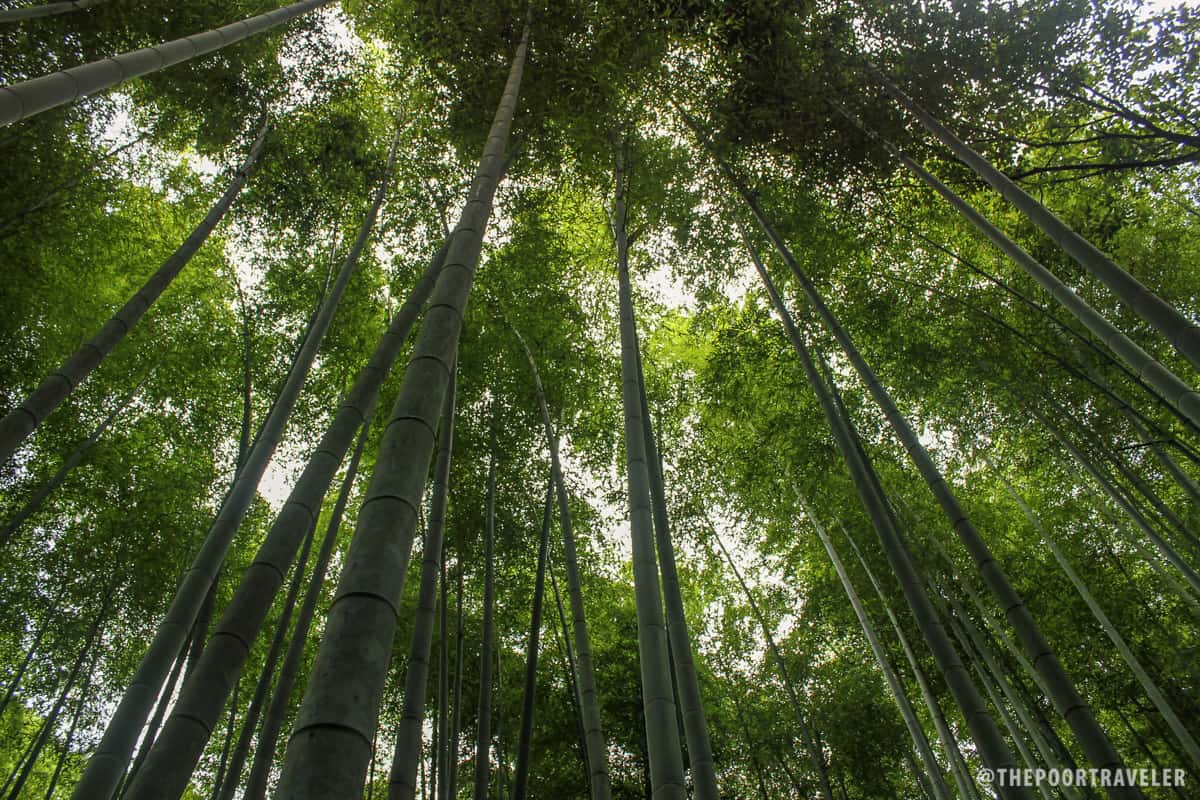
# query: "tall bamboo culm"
1063,694
330,746
46,10
687,682
588,699
658,690
402,780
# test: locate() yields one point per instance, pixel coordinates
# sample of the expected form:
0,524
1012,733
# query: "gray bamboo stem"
268,737
330,746
962,775
691,704
483,726
525,736
920,740
1164,382
402,780
983,728
19,101
658,691
595,749
443,720
262,687
456,727
1065,697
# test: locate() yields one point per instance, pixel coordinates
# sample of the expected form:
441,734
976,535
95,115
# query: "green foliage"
1092,106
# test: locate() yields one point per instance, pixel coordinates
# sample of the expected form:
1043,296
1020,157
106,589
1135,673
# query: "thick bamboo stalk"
23,100
330,746
402,779
233,773
268,737
658,692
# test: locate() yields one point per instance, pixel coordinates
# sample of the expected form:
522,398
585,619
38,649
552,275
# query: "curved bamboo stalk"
19,101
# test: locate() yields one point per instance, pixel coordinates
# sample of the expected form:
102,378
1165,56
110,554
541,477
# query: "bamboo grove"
655,399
